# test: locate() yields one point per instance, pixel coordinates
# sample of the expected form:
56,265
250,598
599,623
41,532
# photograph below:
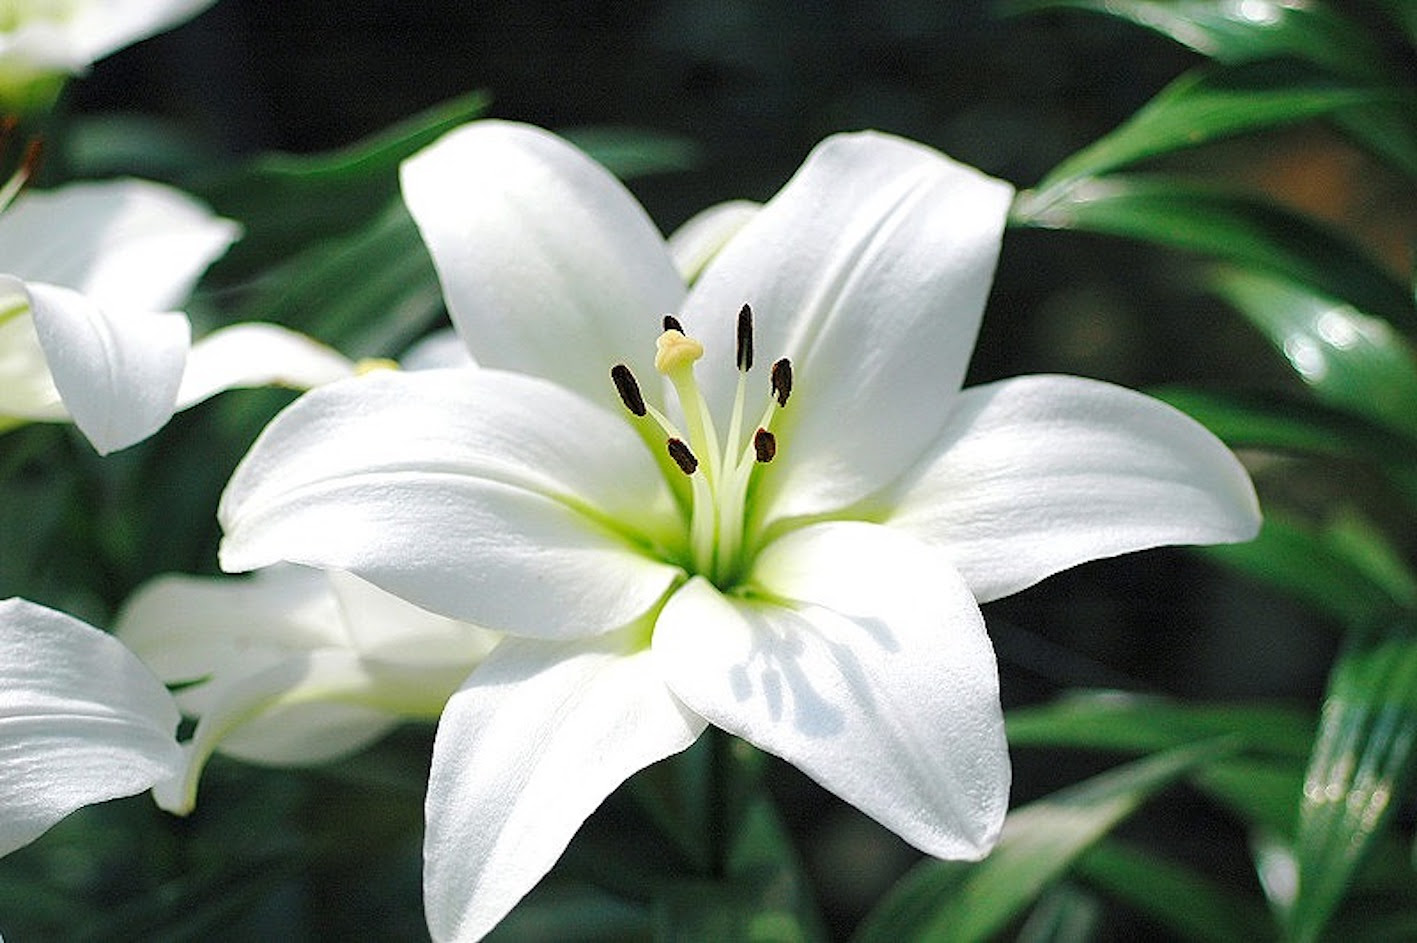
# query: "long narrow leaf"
953,902
1248,232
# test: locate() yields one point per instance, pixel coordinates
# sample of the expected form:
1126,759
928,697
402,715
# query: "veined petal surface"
129,245
253,354
535,740
491,497
549,267
117,372
867,667
869,270
83,721
1037,474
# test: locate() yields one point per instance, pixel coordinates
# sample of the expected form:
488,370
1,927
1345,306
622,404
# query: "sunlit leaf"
288,201
1183,901
1248,232
1361,764
1233,31
1207,104
954,901
1343,572
1115,720
1345,356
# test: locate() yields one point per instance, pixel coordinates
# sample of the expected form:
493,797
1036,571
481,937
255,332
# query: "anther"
764,445
782,380
745,339
628,389
682,456
671,323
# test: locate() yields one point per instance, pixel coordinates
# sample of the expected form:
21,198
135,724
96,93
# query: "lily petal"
490,497
129,245
1037,474
535,740
549,267
869,270
253,354
440,349
116,372
26,387
694,244
872,673
84,721
78,34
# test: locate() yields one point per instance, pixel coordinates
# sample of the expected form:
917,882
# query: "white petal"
83,721
246,355
530,746
490,497
26,387
76,34
873,675
129,244
116,371
1040,473
308,708
869,271
384,627
440,349
694,244
549,266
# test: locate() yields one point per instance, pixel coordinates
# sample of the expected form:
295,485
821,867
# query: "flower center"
719,471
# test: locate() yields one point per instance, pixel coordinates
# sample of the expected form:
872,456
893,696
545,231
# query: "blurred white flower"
292,666
92,272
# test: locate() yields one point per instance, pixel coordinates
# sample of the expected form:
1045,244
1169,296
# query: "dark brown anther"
671,323
782,380
628,389
682,456
764,445
745,339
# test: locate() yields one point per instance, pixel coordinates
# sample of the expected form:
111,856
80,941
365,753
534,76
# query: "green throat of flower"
720,471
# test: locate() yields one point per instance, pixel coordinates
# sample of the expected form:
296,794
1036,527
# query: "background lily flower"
84,721
801,569
292,666
42,41
92,272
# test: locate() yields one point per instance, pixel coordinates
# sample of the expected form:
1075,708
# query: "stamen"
684,458
745,339
782,380
764,445
628,388
674,351
671,323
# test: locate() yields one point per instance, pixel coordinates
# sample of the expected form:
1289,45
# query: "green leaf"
369,293
1346,357
1361,764
1115,720
1207,104
1349,575
286,201
1242,230
1184,902
955,901
635,152
1262,791
1244,32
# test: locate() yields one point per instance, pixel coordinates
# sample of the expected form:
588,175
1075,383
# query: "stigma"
720,469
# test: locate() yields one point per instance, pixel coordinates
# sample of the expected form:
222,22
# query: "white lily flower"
801,572
294,666
84,721
42,41
87,330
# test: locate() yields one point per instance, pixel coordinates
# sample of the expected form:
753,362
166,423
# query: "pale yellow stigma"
675,351
373,364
